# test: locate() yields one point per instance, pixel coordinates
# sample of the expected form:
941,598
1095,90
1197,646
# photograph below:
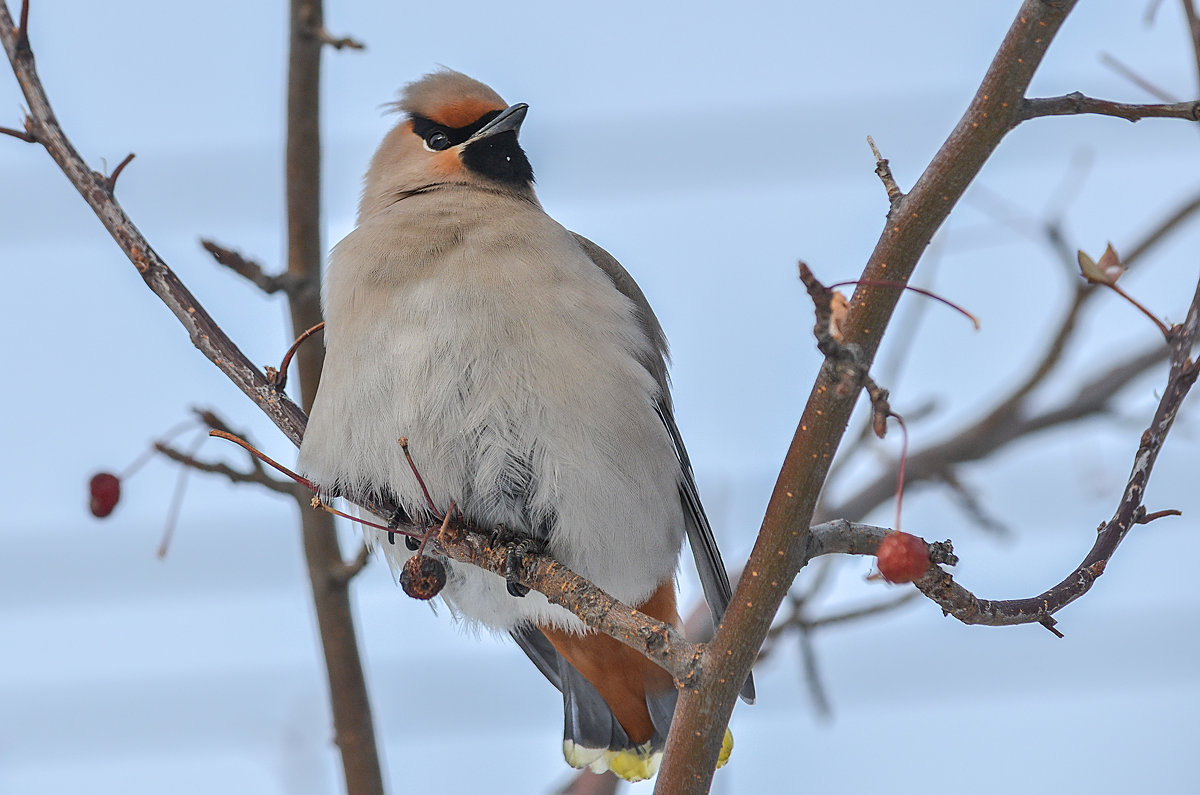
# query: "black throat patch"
498,157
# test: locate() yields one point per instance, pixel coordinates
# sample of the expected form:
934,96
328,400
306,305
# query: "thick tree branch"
691,753
353,725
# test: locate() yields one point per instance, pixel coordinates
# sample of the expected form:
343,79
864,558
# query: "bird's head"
456,132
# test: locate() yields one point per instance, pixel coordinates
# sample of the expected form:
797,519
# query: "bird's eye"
436,141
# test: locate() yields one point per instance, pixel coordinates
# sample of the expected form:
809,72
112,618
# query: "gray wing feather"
538,649
713,576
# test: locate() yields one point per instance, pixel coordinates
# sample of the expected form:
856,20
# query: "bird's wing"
713,577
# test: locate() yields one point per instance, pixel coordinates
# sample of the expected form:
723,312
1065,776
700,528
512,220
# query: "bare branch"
812,674
1162,230
1008,420
1133,77
258,476
206,335
1193,21
659,642
252,271
351,569
337,42
971,504
1076,103
939,586
691,754
845,616
23,135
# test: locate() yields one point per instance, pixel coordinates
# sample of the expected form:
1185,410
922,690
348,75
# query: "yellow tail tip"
632,764
726,749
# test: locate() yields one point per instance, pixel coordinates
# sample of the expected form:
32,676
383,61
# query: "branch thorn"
111,180
1049,623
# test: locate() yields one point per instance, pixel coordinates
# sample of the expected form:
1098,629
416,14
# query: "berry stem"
919,290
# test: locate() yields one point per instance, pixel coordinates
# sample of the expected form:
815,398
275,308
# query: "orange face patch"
447,163
460,113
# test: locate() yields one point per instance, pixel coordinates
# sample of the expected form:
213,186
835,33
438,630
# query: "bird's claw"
515,551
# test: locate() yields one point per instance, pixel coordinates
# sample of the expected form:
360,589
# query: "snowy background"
708,147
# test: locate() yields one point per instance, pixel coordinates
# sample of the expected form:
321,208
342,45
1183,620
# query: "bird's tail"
593,737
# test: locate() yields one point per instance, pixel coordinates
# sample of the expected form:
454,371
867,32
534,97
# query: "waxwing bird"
528,373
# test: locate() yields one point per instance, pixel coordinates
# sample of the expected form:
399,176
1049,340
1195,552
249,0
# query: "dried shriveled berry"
423,577
902,557
105,491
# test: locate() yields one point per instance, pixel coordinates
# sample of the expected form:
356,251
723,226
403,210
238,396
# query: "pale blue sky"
709,147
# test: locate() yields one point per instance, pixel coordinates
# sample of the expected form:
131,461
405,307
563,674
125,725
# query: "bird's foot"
516,548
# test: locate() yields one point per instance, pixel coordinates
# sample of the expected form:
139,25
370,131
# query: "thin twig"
1162,327
252,271
1193,21
205,334
971,504
176,506
1150,517
1076,103
940,587
812,674
847,616
278,377
1162,230
1133,77
23,135
339,43
258,477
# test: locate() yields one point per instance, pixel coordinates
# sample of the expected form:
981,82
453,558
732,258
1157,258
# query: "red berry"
902,557
105,489
422,577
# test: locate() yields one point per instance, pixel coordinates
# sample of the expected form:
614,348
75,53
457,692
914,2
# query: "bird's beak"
509,119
